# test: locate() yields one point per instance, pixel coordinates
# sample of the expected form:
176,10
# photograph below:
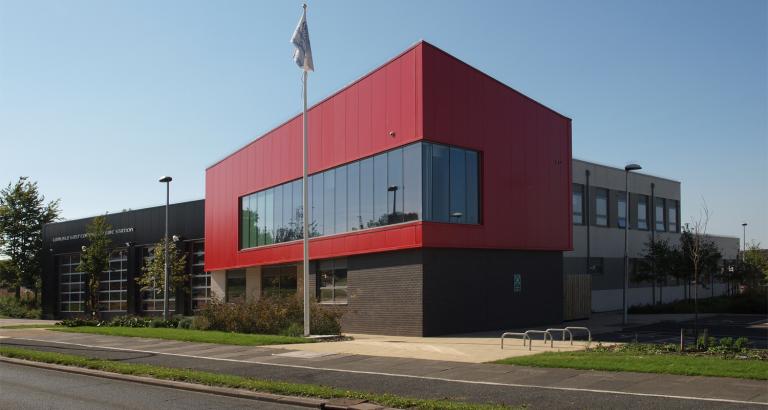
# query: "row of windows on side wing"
663,221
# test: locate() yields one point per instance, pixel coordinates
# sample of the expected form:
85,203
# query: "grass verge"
688,365
37,326
186,335
238,382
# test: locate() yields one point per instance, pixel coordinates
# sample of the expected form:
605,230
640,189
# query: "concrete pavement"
476,382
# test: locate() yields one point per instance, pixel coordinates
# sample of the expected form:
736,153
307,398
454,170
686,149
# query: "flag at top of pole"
300,39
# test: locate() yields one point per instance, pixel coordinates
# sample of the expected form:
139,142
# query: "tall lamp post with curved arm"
627,170
167,180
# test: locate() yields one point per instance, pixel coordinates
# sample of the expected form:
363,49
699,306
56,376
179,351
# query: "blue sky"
100,98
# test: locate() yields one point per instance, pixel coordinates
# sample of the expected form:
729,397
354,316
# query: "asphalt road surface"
531,397
24,387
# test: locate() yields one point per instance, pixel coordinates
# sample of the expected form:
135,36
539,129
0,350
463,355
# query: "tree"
659,261
23,213
8,274
152,277
94,260
699,254
753,268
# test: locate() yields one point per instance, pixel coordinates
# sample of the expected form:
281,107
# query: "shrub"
269,315
200,323
12,307
81,321
130,321
741,344
185,323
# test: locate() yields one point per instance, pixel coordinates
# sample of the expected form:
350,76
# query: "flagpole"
305,200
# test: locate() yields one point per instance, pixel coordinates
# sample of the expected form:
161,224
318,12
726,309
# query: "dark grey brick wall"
385,294
467,290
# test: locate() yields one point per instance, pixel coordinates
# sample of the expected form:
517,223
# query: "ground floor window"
235,291
278,280
201,280
332,281
113,283
71,284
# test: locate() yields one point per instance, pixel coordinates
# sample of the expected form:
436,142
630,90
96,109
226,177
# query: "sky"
100,98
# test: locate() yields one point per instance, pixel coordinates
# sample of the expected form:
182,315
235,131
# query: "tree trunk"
17,292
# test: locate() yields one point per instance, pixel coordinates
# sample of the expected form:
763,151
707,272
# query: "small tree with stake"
152,277
698,253
94,260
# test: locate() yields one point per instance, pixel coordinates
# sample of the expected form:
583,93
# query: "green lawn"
202,336
37,326
688,365
238,382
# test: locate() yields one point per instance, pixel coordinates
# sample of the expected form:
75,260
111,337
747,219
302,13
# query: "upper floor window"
424,181
601,207
659,213
642,212
672,215
622,210
578,204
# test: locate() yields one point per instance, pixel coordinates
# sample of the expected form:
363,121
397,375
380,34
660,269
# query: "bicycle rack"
563,332
540,332
589,334
509,334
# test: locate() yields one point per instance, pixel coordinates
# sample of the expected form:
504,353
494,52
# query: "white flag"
300,39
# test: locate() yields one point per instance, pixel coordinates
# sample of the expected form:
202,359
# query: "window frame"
577,189
598,216
333,266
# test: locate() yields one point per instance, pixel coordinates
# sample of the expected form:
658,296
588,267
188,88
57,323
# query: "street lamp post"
167,180
627,170
744,239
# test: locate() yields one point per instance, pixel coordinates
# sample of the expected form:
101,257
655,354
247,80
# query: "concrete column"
252,283
218,284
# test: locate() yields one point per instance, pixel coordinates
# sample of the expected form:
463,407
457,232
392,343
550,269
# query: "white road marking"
296,366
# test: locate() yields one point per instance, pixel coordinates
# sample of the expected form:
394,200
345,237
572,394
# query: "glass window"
277,231
672,211
71,284
235,287
380,190
601,207
278,280
660,214
642,212
329,197
411,191
578,204
332,281
419,181
354,219
340,204
395,191
297,215
245,221
200,279
622,210
261,210
152,297
366,193
269,215
458,185
473,179
316,213
440,183
113,283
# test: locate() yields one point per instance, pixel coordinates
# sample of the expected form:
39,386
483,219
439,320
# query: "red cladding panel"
349,125
526,156
423,93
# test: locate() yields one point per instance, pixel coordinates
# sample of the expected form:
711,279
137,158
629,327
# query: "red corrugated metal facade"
423,93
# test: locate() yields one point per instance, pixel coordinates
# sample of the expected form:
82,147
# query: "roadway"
24,387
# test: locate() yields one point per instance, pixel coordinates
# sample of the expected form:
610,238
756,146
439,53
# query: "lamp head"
392,188
165,179
632,167
744,224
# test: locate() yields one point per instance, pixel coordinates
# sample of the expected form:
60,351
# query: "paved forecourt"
438,378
